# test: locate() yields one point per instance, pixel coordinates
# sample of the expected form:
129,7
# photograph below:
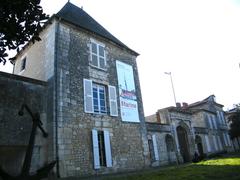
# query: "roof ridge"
77,16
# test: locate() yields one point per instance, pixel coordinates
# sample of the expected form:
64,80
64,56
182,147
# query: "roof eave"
127,48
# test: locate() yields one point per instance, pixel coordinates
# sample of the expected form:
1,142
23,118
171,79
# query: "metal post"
170,74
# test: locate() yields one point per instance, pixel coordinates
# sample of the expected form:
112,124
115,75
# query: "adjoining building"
230,114
94,112
176,133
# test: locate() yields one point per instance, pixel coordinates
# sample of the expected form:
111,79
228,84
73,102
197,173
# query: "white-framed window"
98,55
102,155
99,99
95,97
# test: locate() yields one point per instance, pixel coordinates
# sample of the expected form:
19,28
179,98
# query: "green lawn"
219,168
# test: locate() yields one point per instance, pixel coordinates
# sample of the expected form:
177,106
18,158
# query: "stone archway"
198,142
183,143
170,147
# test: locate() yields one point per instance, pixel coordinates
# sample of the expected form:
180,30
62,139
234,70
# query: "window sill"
97,68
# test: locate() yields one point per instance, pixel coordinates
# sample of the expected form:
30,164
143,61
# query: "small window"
98,55
99,99
101,145
23,64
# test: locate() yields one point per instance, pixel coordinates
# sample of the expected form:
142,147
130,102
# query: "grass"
219,168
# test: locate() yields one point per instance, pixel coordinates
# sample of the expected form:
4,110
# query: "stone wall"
198,120
14,129
128,140
39,56
161,131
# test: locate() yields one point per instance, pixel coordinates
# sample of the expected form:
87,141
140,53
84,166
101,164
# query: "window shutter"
210,121
95,149
223,118
88,96
214,122
113,101
206,120
155,148
107,149
207,143
219,117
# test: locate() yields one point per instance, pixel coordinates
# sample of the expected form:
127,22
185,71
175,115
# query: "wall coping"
22,78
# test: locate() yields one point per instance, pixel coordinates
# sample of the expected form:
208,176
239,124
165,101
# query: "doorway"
198,142
183,143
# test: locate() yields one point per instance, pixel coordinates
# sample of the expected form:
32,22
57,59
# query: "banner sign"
127,92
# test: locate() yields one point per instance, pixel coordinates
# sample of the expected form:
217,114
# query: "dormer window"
98,58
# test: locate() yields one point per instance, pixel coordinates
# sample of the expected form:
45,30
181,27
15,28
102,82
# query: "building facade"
96,111
195,128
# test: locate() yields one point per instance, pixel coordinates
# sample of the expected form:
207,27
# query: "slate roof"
79,17
208,99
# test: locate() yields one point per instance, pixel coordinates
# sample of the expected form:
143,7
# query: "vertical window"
95,97
207,143
219,142
215,143
98,55
99,99
210,122
23,64
214,122
102,155
150,144
223,118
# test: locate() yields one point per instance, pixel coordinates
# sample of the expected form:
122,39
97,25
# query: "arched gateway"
183,143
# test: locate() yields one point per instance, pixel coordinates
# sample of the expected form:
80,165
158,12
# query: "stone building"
95,113
199,127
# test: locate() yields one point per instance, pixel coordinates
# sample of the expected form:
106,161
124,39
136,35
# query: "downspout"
56,95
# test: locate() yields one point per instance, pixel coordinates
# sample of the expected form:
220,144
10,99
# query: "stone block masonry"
128,140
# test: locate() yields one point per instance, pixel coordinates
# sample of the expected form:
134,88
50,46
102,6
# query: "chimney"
185,105
178,105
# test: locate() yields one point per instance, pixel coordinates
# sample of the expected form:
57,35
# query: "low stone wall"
14,129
